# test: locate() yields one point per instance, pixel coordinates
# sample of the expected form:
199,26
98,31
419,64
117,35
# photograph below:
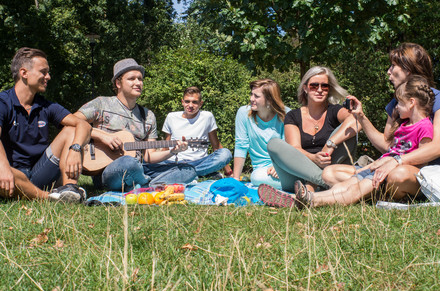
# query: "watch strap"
75,147
398,159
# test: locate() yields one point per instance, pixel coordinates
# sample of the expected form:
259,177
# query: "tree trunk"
304,66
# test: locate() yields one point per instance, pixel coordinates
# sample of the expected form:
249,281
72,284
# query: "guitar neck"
143,145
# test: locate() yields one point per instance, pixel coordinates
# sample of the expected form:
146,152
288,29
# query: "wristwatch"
398,159
331,144
76,147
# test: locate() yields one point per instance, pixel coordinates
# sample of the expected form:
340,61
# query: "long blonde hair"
336,93
272,93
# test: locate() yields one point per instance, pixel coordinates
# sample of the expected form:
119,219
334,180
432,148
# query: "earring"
268,106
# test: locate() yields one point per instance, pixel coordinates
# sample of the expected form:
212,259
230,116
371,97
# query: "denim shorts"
366,174
46,170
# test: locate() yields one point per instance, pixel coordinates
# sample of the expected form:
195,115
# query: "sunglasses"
315,86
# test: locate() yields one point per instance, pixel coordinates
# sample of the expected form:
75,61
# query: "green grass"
356,247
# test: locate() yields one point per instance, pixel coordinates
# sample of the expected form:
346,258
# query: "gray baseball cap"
124,66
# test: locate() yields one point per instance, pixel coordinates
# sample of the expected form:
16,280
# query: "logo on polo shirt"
41,123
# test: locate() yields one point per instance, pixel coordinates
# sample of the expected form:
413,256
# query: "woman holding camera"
314,133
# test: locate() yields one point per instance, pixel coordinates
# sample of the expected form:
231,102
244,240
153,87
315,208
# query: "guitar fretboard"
143,145
156,144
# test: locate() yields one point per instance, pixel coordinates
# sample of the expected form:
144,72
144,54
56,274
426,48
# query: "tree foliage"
278,33
127,28
215,43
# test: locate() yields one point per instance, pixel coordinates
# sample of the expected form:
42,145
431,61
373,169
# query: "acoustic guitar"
97,155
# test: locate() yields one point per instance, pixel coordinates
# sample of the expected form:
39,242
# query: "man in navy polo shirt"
29,163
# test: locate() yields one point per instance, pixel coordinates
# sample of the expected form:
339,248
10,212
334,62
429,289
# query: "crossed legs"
401,181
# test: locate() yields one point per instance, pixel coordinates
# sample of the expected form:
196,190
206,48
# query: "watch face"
76,147
330,144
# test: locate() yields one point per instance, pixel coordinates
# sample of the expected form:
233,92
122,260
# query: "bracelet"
398,159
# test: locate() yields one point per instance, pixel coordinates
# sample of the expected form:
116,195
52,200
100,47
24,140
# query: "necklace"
315,122
316,127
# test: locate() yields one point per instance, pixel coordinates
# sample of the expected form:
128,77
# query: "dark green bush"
223,81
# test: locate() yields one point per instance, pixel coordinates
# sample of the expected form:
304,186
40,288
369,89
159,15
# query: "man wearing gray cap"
111,116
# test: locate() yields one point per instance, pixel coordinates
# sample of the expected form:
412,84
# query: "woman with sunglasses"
314,133
255,125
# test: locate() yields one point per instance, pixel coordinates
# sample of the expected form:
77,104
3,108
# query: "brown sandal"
302,194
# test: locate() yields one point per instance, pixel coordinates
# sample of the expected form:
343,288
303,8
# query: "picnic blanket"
110,198
222,192
210,192
113,198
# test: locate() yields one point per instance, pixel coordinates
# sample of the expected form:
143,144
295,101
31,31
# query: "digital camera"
347,104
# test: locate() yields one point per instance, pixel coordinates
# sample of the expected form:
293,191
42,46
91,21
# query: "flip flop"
274,197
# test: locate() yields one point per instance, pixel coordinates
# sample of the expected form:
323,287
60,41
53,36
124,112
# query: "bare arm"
7,183
238,167
349,127
215,143
82,129
113,142
377,138
384,166
73,166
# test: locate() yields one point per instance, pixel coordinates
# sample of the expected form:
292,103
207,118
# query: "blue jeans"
124,173
211,163
46,170
168,173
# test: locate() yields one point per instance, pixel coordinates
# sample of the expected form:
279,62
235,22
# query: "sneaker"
274,197
69,193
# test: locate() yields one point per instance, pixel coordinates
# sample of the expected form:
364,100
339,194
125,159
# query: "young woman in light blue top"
255,125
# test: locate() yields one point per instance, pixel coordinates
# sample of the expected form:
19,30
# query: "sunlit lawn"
45,246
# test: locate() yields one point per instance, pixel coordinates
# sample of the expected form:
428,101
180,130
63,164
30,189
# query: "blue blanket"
203,193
